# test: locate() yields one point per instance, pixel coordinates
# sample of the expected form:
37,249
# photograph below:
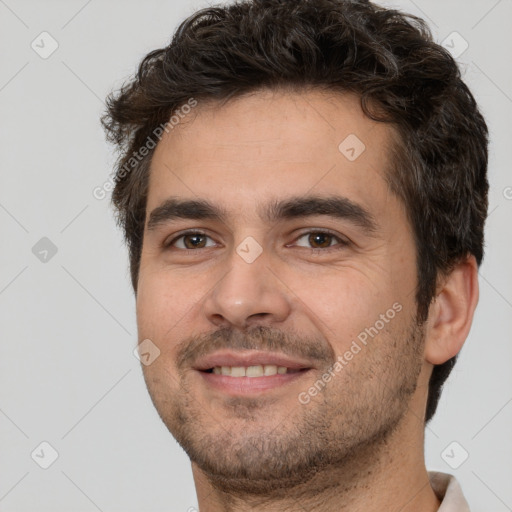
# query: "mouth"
255,371
246,373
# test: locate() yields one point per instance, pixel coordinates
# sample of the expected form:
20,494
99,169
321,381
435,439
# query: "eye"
319,240
189,241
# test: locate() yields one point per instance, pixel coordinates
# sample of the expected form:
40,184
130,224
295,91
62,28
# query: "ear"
451,313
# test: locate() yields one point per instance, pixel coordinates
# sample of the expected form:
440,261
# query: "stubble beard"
340,432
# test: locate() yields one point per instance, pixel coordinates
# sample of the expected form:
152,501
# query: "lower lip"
250,385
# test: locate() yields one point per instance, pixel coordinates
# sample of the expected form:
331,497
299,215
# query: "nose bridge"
249,290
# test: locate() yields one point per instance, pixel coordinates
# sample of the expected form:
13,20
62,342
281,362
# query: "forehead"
283,142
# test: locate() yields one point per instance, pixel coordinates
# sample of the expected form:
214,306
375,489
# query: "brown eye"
320,240
190,241
194,241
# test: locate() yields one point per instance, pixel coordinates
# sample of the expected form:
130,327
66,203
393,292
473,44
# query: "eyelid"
343,240
169,241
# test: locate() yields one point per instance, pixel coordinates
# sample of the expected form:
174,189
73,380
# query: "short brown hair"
386,57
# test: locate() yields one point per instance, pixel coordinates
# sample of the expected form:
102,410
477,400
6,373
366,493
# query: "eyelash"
343,243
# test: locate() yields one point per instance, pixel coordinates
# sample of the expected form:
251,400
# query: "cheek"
162,302
342,302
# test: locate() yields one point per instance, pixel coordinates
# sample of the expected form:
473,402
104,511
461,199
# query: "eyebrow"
338,207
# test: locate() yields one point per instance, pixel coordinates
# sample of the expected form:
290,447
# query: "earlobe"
451,313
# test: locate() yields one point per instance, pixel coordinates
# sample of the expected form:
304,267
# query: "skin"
358,444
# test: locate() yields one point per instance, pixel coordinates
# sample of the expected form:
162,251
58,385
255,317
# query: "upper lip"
249,358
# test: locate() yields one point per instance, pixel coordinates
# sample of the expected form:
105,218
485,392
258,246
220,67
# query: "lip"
250,358
246,386
237,386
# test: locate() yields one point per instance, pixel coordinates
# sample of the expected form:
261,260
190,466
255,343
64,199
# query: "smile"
244,373
252,371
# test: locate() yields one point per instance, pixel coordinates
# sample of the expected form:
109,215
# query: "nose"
248,294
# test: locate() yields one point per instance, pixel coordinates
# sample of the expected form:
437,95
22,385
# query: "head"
313,71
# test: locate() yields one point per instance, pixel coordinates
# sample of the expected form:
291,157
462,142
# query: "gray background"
67,372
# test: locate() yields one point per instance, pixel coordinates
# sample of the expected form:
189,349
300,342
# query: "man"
302,186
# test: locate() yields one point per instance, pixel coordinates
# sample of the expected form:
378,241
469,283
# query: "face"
277,280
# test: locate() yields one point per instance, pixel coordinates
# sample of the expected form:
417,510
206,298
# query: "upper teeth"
250,371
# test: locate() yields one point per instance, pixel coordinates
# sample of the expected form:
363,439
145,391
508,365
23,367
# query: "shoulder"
449,492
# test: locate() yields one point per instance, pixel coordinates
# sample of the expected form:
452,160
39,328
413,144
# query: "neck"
390,476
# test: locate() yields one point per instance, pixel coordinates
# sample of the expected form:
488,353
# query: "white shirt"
448,491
